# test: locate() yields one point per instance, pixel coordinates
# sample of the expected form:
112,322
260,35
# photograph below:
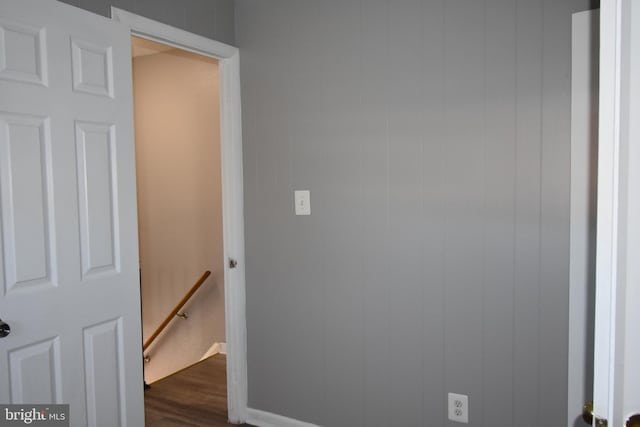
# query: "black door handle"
5,329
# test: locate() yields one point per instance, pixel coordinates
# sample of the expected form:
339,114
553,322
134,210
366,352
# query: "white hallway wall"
179,203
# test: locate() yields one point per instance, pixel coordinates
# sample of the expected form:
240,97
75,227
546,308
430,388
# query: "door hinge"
589,417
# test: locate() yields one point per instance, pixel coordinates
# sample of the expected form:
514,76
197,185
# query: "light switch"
302,200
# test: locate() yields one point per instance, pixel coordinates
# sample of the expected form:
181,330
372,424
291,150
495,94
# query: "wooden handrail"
176,309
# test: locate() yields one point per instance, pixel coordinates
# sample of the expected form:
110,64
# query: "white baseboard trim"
267,419
217,347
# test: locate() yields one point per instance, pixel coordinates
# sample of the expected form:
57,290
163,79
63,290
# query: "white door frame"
608,209
232,190
616,370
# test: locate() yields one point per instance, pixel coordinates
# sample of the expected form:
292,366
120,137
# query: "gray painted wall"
434,136
210,18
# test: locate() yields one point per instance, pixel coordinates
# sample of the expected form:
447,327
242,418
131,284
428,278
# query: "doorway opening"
180,230
232,191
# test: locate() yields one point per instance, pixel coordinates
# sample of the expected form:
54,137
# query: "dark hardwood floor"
193,397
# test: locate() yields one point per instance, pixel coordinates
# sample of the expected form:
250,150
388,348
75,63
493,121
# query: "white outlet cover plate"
458,408
302,199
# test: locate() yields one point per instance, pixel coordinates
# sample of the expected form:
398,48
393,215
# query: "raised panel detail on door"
35,373
95,145
103,363
23,53
26,184
92,68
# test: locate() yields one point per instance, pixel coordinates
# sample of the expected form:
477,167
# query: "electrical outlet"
459,408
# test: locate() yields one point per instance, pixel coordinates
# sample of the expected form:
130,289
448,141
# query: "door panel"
23,53
103,362
25,174
92,68
68,206
35,373
95,145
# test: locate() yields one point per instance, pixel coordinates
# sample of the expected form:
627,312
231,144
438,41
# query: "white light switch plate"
302,200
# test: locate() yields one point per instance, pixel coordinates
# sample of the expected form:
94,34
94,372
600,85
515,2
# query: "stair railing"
176,310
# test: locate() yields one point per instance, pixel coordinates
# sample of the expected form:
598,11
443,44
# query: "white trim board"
608,229
232,190
172,36
616,394
267,419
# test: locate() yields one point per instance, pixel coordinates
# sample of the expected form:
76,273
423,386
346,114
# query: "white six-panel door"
68,247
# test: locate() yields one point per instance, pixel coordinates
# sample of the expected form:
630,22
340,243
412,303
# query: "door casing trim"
232,190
